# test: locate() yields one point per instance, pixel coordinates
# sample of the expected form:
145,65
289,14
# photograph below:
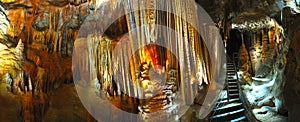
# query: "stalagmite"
265,46
244,63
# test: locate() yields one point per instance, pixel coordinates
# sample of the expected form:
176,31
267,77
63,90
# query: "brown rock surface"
292,72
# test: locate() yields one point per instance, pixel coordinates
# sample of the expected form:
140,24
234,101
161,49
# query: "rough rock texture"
28,36
292,71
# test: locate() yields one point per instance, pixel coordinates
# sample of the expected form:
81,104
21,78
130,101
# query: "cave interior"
153,60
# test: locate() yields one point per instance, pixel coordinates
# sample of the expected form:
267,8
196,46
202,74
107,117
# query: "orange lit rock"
243,56
8,1
17,22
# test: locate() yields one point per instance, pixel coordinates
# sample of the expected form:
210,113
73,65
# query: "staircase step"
234,95
231,73
232,86
228,108
231,78
229,115
232,82
233,91
231,70
243,118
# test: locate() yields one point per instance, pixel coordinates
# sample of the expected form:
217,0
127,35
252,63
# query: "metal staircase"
230,107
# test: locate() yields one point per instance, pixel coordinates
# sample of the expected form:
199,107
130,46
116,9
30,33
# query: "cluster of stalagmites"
262,59
159,95
263,48
33,103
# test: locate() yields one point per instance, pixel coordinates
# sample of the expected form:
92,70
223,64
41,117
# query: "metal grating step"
229,115
232,82
231,70
243,118
234,95
233,86
231,77
233,91
231,107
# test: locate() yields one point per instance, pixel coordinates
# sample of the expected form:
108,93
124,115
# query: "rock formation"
267,76
38,40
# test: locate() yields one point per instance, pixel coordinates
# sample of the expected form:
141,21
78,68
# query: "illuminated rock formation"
244,63
39,37
12,61
265,90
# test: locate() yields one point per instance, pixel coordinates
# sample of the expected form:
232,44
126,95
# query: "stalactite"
169,36
132,35
180,48
186,54
265,40
127,78
150,18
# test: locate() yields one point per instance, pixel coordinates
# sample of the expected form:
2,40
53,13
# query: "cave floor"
64,106
8,106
